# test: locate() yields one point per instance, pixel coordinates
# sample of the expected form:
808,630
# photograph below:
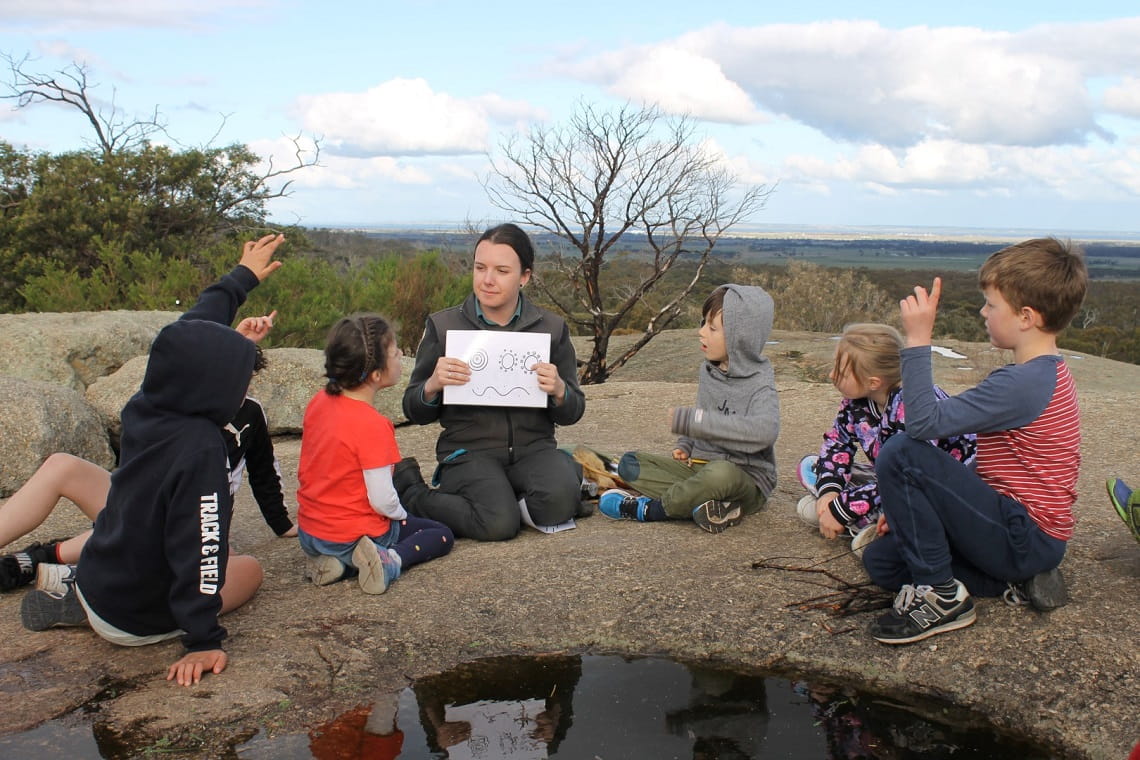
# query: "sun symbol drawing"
478,360
508,360
529,359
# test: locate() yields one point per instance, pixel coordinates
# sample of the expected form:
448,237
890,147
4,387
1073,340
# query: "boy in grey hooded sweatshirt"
724,465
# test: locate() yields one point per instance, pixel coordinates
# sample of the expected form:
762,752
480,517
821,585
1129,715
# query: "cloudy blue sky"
970,114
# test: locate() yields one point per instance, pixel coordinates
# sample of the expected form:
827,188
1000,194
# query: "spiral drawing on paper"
478,360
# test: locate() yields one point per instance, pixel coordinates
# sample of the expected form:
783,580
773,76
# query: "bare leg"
243,579
69,550
60,476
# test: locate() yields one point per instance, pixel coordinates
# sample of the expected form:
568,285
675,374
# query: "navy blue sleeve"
196,545
220,302
1010,397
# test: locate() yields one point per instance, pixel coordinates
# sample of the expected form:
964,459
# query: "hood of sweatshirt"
196,369
747,317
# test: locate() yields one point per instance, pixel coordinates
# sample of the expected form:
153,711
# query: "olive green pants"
681,486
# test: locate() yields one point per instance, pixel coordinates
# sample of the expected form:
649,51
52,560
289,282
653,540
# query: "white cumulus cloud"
678,80
402,117
861,82
1124,98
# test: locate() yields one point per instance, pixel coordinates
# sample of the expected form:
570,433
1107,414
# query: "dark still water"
613,708
592,708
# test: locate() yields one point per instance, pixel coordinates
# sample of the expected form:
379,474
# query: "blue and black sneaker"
1126,504
617,504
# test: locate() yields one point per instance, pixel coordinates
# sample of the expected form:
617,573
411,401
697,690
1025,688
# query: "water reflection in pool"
613,708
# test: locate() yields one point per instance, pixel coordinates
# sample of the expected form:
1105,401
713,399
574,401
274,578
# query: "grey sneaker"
54,578
805,509
717,516
1047,590
376,567
864,536
41,610
323,569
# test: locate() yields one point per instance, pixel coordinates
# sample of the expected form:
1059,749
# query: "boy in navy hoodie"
157,564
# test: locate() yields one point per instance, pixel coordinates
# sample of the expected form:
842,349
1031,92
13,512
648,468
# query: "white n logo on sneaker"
924,616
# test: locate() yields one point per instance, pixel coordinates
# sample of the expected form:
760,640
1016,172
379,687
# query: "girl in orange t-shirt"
350,520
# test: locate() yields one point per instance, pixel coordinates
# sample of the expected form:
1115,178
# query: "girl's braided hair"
356,346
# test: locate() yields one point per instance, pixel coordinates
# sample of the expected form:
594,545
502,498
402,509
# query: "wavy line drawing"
483,391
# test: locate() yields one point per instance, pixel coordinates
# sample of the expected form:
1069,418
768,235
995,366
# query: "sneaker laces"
908,595
1015,596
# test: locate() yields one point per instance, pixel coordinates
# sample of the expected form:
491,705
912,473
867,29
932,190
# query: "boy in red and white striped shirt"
953,531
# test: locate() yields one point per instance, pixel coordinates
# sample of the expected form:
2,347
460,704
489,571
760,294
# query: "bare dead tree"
238,189
604,175
70,86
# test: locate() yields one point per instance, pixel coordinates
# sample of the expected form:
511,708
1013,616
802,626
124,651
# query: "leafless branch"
606,181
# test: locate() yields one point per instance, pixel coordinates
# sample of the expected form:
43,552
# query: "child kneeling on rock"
351,521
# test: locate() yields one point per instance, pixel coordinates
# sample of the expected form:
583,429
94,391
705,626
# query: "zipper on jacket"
510,438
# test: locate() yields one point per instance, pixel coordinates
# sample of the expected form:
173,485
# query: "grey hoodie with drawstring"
737,414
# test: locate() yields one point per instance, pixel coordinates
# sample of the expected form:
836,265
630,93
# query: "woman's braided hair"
356,346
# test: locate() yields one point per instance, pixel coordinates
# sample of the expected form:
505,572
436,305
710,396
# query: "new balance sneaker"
805,473
919,613
862,537
805,508
717,516
54,578
323,569
617,504
40,610
377,569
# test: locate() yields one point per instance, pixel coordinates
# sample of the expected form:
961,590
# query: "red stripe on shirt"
1038,464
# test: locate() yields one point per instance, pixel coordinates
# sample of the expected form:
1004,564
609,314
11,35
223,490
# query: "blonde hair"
869,350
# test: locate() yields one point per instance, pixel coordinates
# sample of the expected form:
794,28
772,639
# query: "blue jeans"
946,522
314,546
415,539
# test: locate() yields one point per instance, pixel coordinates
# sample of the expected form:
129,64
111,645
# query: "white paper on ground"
544,528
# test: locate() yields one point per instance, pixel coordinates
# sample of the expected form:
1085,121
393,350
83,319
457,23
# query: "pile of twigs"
843,599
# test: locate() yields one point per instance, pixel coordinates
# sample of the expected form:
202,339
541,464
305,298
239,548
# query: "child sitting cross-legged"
723,466
351,521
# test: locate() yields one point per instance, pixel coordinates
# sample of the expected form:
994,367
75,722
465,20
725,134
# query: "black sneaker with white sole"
717,516
919,613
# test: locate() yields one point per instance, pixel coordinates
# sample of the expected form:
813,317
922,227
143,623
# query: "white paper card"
547,529
502,367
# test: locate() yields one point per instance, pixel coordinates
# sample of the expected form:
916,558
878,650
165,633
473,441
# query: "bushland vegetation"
129,224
